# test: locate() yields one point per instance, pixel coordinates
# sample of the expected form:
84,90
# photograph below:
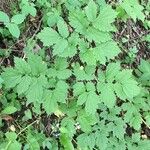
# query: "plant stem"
28,126
145,123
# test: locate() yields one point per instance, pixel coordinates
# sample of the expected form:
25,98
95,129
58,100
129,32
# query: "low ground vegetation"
75,75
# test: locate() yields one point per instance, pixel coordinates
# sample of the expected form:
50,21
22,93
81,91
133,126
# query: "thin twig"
7,146
28,126
37,30
145,123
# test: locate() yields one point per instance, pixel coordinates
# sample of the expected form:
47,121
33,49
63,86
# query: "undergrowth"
75,75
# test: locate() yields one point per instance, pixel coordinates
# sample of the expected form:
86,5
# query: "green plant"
133,9
70,89
12,24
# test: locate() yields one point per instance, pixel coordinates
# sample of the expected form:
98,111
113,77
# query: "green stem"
7,146
27,127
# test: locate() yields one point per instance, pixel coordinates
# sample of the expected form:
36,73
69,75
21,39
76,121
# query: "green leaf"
82,141
82,98
22,66
37,65
28,9
49,104
78,88
61,63
71,49
91,10
52,73
131,88
146,38
61,92
101,140
112,70
48,36
1,81
66,142
28,114
91,103
145,69
59,70
136,137
13,29
86,121
107,94
11,77
4,17
99,37
18,19
133,9
88,57
14,145
36,89
105,19
82,73
129,85
144,144
91,141
23,86
68,124
64,74
120,82
78,21
90,87
52,18
136,122
119,91
86,142
33,143
118,129
60,46
147,118
132,115
71,75
9,110
106,51
11,136
62,28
